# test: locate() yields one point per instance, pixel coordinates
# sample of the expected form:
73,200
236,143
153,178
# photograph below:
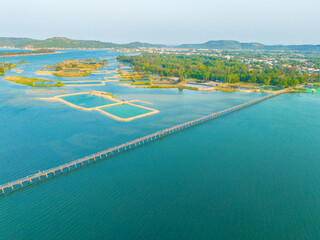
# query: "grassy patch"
71,74
141,83
31,81
74,68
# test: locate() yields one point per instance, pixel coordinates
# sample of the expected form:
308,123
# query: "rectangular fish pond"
125,111
87,100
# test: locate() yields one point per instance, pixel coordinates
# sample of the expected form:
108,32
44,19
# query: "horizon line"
168,44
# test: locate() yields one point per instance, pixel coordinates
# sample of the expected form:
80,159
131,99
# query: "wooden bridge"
53,172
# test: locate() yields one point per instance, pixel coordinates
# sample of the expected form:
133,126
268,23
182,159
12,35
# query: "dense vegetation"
15,42
215,68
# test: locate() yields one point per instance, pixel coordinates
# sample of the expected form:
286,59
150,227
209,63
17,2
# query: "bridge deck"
49,173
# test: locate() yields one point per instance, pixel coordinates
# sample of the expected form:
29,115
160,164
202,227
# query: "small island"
34,82
28,53
73,68
6,66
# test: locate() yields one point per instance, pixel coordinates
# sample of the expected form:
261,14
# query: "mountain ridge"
236,45
63,42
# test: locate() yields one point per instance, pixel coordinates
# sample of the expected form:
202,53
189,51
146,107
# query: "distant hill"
62,42
223,44
15,42
139,44
235,45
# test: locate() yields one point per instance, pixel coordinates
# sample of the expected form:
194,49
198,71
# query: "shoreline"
31,54
198,89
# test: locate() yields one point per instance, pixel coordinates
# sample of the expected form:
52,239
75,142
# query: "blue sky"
166,21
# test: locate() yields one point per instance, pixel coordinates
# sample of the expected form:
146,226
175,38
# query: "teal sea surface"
253,174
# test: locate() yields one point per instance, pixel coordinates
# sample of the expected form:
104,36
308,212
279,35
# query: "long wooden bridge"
53,172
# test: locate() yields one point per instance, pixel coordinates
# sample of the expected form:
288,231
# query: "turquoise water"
80,83
253,174
125,110
87,100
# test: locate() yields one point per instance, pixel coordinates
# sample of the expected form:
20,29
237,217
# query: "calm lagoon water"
81,83
125,110
253,174
87,100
